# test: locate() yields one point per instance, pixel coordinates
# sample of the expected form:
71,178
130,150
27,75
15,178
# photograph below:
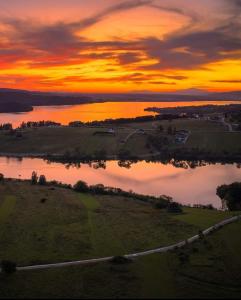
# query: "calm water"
188,186
96,111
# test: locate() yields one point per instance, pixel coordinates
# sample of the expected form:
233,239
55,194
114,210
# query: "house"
111,130
142,131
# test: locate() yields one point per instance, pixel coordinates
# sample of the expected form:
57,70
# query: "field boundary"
135,255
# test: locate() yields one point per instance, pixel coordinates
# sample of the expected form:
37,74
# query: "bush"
174,207
34,178
120,260
201,235
183,257
98,189
1,177
42,180
81,187
8,267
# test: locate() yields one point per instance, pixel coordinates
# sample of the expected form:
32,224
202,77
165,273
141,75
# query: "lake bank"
180,180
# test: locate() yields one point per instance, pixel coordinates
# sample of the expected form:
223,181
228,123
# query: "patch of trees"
41,180
6,126
119,121
100,189
231,195
34,124
200,110
202,206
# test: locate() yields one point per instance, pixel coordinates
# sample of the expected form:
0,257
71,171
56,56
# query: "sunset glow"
120,46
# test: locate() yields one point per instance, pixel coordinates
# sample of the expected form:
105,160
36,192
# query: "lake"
95,111
187,186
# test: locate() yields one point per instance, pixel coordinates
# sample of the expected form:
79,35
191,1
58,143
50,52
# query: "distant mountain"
11,97
17,98
234,95
192,92
9,107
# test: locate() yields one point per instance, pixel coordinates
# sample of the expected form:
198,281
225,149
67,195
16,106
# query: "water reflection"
188,183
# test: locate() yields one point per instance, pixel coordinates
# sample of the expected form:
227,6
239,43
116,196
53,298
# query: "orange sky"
120,46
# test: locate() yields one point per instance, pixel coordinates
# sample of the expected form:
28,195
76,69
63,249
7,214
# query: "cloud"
193,50
61,44
227,81
162,82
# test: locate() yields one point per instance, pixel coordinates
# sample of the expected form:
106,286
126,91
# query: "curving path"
133,255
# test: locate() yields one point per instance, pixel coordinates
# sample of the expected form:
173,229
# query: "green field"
217,142
79,142
72,226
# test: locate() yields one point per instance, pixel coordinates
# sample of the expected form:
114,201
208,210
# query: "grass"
73,226
78,141
217,142
201,217
82,141
6,208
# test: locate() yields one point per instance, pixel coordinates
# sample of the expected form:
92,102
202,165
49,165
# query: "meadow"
69,226
131,138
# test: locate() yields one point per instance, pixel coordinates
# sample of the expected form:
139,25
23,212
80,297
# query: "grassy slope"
204,135
71,226
207,136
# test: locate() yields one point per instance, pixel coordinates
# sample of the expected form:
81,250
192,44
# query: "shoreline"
155,157
234,102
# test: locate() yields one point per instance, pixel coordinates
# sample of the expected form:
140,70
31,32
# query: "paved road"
130,135
133,255
228,125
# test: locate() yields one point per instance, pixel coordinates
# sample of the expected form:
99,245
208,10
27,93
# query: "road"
130,135
133,255
228,125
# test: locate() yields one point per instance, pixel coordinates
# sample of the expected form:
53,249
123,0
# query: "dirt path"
133,255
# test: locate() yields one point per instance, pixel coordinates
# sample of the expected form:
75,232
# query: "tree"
169,130
161,128
8,267
231,194
42,180
34,178
98,189
1,177
174,207
81,187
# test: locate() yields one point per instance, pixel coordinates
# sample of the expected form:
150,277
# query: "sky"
120,46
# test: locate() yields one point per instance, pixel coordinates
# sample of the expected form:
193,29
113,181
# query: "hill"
35,98
46,224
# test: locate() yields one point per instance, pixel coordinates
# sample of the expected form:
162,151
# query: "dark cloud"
123,6
227,81
195,49
162,82
129,58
